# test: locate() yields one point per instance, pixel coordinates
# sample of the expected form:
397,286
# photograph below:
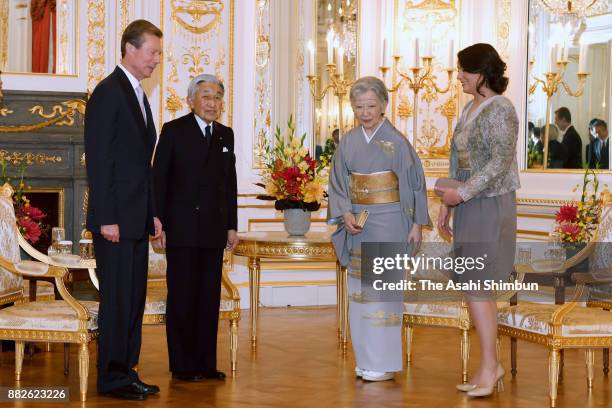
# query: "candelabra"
550,86
338,84
417,79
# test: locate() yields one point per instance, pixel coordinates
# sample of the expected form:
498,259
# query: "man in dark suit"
119,141
195,187
571,138
600,152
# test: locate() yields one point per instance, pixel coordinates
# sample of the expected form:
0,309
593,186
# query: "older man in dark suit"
119,141
195,187
600,151
571,138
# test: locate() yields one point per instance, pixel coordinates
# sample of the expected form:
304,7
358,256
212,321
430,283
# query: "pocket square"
225,149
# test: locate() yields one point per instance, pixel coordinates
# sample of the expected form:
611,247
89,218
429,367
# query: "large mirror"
38,36
569,85
336,42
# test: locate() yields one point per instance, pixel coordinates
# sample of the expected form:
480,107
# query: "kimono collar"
369,138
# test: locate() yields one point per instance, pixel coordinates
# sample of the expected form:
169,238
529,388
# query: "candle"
582,58
417,60
340,60
311,64
428,44
384,53
565,52
330,47
553,56
451,55
559,55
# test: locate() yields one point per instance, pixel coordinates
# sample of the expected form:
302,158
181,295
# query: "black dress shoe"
144,388
192,377
128,392
215,375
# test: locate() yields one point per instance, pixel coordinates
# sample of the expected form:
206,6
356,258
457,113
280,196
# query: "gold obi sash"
375,188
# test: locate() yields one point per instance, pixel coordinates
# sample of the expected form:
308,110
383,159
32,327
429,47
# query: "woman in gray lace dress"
483,157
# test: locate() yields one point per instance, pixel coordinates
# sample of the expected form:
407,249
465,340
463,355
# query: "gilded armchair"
570,325
155,306
58,321
451,313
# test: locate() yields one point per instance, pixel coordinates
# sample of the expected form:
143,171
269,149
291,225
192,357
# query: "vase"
297,221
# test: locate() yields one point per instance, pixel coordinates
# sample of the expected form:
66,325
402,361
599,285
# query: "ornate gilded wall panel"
198,38
263,82
96,42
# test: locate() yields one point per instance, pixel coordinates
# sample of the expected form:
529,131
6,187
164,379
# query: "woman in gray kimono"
483,156
375,168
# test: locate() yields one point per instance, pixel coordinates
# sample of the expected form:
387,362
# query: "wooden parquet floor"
299,364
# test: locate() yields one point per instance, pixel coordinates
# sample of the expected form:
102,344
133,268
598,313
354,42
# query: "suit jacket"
599,157
557,155
573,145
118,149
195,184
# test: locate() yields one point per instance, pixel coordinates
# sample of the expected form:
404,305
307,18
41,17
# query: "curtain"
43,35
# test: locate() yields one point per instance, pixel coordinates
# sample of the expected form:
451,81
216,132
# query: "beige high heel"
486,391
466,387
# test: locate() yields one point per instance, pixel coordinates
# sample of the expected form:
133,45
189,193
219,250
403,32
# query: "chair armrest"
13,267
33,252
593,277
229,286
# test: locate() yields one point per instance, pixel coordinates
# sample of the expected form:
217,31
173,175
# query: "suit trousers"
122,273
192,310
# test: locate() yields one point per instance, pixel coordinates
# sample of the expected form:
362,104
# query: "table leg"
339,314
345,307
254,276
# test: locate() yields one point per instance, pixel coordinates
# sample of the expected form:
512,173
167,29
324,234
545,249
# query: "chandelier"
576,9
345,22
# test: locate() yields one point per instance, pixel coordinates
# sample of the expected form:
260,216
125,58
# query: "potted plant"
292,179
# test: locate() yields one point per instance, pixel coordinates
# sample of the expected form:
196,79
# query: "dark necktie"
207,135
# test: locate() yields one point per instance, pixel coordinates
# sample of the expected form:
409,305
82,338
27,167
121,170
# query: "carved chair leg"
408,330
465,354
553,375
561,364
606,361
589,356
66,358
19,350
83,370
513,350
233,345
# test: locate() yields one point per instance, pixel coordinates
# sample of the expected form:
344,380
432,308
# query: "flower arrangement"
577,223
29,218
291,177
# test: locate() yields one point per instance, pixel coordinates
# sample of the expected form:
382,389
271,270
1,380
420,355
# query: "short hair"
483,59
370,83
564,113
133,33
592,123
553,132
600,123
537,132
207,78
530,126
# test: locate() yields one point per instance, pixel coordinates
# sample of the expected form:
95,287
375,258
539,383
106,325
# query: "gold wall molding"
61,115
28,158
4,11
197,56
262,130
504,19
5,111
205,15
96,42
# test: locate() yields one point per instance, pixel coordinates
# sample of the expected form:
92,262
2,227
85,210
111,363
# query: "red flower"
567,213
30,229
312,163
570,229
290,174
33,212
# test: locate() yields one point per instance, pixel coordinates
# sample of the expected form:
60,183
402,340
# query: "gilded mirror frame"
534,83
348,124
76,48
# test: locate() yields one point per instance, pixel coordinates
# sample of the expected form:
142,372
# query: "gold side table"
314,246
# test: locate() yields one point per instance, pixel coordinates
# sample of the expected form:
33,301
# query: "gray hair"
193,85
369,83
553,132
